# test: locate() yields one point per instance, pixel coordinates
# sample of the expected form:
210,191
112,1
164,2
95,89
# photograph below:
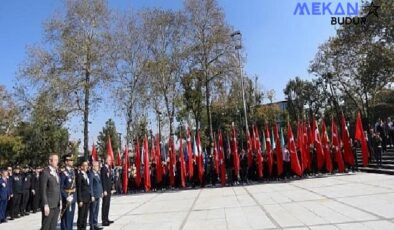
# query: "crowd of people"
58,191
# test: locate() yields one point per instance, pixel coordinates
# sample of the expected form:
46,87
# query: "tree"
212,49
10,149
72,64
43,133
359,61
9,113
193,96
164,33
109,131
304,94
128,57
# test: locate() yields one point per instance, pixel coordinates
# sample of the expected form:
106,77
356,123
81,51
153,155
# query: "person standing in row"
10,203
50,192
97,194
67,189
35,190
27,178
106,180
4,195
84,195
17,189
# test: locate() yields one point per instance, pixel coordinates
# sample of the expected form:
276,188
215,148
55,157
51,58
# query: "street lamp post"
238,47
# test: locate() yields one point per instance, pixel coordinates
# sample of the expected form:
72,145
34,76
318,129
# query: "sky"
278,44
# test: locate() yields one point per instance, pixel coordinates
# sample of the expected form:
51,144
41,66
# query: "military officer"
17,188
68,193
27,178
4,195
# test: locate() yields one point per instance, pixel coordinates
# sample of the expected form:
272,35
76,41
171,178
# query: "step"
375,170
383,166
390,162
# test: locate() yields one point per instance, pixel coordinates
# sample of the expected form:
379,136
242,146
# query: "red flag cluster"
309,141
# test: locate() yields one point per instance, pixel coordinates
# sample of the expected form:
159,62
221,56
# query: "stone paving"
352,201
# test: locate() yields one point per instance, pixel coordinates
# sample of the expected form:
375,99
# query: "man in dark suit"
17,188
10,203
97,194
69,194
84,196
106,180
50,194
27,178
4,195
35,190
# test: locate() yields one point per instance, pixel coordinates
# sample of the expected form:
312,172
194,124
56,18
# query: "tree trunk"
207,95
86,115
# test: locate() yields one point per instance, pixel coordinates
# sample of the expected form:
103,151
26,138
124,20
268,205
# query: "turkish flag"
359,135
347,146
295,163
259,153
270,160
110,153
337,147
159,166
318,145
300,144
234,149
216,161
326,146
182,161
222,160
171,152
279,155
125,172
200,164
137,165
118,159
146,165
189,154
94,153
250,140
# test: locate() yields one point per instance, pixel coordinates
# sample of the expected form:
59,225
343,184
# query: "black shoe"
111,221
11,218
105,224
98,228
26,213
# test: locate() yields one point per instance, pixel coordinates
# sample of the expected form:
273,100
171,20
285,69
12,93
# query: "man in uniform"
26,191
68,192
97,194
17,189
50,194
4,195
35,190
106,180
84,195
10,203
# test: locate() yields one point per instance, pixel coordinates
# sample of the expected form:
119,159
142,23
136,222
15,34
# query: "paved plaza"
352,201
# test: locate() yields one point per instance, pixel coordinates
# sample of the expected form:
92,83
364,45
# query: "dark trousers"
82,216
10,206
25,200
105,207
378,155
16,205
35,202
93,213
68,216
3,209
49,222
